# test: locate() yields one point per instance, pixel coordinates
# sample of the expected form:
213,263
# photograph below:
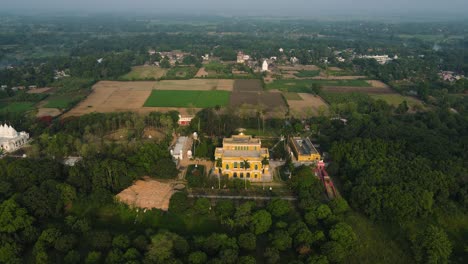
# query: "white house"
10,139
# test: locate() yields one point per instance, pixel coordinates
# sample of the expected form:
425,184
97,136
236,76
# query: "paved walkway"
233,197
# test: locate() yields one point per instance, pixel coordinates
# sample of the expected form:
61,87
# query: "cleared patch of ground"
299,68
195,84
334,69
201,73
248,85
292,96
148,194
268,101
144,73
377,84
39,90
110,96
48,112
309,105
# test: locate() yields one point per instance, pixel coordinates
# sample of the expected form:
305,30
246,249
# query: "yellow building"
237,151
304,150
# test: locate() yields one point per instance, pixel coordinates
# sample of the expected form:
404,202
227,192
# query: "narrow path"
232,197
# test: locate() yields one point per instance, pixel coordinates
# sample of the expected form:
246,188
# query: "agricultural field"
62,102
307,74
144,73
267,100
248,85
301,86
307,105
195,84
292,96
198,99
180,73
16,107
111,96
396,99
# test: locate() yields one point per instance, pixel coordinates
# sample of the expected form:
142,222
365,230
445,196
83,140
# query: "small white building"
10,139
281,50
178,151
265,66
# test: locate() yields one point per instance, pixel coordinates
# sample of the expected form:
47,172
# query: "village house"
184,120
242,58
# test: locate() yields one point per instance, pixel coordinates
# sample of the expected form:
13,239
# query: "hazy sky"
275,7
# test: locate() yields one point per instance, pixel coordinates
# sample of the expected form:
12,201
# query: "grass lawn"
144,73
300,86
199,99
16,106
304,73
396,99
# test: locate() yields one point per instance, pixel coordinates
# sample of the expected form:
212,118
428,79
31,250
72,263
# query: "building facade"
239,151
304,150
10,139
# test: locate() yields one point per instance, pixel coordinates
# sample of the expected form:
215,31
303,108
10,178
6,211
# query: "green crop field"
199,99
62,102
305,74
301,86
16,106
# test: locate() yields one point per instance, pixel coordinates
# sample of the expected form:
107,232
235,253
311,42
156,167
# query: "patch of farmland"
248,85
396,99
267,100
309,105
198,99
144,73
195,84
110,96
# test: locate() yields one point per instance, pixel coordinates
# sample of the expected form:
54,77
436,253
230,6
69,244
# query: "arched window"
256,175
242,175
256,166
248,174
235,174
235,165
227,166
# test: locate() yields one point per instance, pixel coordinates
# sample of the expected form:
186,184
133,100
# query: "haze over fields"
246,7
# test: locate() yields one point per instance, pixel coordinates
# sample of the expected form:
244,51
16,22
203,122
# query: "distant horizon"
332,15
302,9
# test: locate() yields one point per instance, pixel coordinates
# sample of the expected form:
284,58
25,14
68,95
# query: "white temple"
265,66
10,139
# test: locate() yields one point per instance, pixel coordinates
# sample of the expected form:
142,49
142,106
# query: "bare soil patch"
148,194
351,89
39,90
334,69
248,85
299,68
331,77
201,72
377,84
110,96
195,84
269,101
48,112
310,105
